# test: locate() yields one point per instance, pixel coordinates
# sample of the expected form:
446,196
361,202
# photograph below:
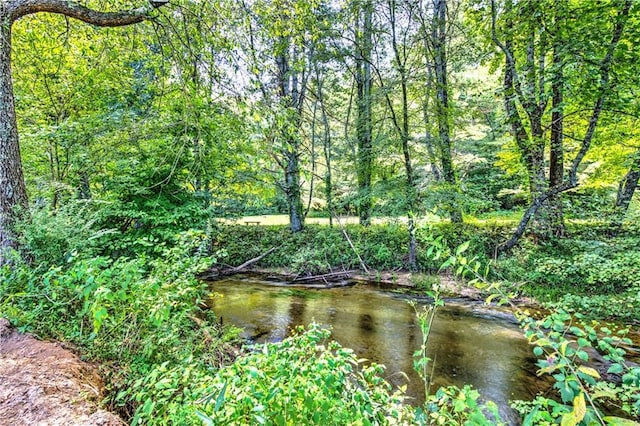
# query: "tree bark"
19,8
292,188
439,39
428,139
364,124
13,194
291,97
626,189
556,151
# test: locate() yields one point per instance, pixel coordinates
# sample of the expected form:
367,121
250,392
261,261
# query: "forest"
440,147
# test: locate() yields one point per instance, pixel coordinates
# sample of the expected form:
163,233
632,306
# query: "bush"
54,238
306,379
132,314
578,266
317,247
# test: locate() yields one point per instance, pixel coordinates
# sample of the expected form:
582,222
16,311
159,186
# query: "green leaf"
220,398
616,369
462,248
618,421
589,371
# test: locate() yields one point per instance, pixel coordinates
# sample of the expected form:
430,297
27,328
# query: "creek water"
469,343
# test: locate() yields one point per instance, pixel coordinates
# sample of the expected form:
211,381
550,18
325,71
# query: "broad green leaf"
589,371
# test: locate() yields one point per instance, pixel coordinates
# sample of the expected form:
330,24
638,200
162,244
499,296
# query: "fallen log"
215,273
331,276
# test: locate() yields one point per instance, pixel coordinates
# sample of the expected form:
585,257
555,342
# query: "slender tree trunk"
292,189
442,106
364,125
626,189
420,16
401,125
326,145
628,186
13,193
428,138
290,98
313,159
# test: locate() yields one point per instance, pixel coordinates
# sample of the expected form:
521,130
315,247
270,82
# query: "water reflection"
468,345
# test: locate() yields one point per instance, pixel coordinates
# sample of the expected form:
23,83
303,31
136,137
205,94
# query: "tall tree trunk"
439,40
13,193
314,164
291,98
401,125
326,145
364,124
428,138
556,152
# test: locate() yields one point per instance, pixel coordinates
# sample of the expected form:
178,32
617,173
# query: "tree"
400,119
364,85
443,110
526,48
13,194
281,43
626,189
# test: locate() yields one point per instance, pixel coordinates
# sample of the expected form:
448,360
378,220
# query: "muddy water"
469,343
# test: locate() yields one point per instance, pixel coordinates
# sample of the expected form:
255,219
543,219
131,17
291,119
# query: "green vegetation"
494,139
168,361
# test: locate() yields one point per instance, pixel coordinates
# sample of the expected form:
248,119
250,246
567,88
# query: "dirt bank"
41,383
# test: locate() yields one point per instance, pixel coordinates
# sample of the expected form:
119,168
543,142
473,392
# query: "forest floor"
42,383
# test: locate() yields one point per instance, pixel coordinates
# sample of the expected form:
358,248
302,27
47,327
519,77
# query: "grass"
283,219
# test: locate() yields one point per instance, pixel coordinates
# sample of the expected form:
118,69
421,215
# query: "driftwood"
215,273
329,280
331,276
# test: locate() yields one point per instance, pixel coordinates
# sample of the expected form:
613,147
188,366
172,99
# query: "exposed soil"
42,383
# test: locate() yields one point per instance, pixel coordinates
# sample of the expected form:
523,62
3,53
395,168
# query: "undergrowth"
136,308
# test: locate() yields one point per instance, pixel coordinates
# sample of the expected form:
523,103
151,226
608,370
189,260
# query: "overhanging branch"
19,8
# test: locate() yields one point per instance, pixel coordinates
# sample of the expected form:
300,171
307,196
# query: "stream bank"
43,383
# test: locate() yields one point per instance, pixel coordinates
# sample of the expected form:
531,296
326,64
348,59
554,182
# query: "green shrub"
134,314
381,247
309,262
577,266
306,379
454,406
54,238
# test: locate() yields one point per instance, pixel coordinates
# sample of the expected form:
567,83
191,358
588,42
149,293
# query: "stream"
470,343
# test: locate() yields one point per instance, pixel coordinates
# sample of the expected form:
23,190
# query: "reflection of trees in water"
482,351
297,308
446,349
366,322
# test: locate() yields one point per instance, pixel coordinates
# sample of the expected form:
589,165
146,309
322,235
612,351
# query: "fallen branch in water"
331,276
214,273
